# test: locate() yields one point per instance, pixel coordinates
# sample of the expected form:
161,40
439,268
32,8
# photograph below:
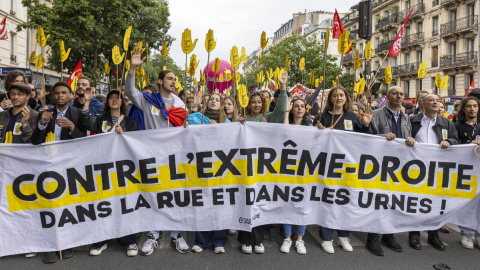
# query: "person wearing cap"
19,120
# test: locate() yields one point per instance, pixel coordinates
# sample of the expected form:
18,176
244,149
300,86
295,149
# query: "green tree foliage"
92,27
156,64
297,47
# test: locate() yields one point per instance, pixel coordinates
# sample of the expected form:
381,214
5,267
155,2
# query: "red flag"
3,28
77,72
472,85
396,46
337,28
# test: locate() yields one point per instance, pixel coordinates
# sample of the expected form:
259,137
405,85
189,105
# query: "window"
453,15
419,56
13,47
435,26
407,5
471,9
451,87
420,27
407,58
406,88
420,88
394,61
322,35
470,45
434,87
435,56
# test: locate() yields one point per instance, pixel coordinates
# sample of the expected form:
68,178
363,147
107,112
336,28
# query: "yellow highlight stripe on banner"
190,170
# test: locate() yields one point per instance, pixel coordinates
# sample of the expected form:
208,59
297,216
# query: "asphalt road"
165,257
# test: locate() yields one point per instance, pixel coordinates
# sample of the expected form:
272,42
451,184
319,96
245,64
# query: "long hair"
123,107
12,75
461,117
235,108
329,106
290,114
221,112
264,103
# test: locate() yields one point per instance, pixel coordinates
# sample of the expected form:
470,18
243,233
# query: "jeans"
156,234
327,234
122,241
211,238
287,230
431,234
468,231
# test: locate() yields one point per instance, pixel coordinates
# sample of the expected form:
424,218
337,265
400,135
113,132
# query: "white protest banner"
228,176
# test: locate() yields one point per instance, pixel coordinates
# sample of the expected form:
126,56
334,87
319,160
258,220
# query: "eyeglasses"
82,84
398,94
19,94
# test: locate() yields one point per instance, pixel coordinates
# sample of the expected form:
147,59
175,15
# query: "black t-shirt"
467,132
349,121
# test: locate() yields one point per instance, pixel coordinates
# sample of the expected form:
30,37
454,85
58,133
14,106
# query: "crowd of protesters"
53,113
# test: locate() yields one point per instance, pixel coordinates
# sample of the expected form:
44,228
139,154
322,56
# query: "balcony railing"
460,25
412,39
350,17
391,19
379,2
434,64
418,9
448,2
348,59
461,59
352,36
408,69
435,32
385,46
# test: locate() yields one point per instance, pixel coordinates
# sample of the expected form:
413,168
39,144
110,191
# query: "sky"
235,23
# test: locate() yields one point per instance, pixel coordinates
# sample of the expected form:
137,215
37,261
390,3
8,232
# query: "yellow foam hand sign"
275,74
368,50
335,81
317,83
164,67
107,68
192,68
137,73
177,83
438,80
8,137
243,97
210,42
50,137
422,71
234,59
165,49
287,62
361,88
388,75
237,77
243,56
320,80
343,44
327,38
127,64
357,62
63,54
39,63
139,45
195,82
260,56
42,40
312,78
228,75
301,65
202,77
126,38
116,56
216,65
31,59
270,75
187,45
220,77
263,40
444,83
73,85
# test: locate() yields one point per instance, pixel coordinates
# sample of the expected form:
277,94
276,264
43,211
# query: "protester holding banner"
296,115
338,116
429,127
231,109
157,110
392,123
257,111
468,132
95,105
18,123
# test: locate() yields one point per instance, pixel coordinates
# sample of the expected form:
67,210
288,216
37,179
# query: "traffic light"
365,20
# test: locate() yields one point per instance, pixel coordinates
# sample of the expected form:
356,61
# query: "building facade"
441,33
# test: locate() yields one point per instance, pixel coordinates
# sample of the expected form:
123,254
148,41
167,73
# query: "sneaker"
344,242
149,246
287,243
180,244
327,246
97,250
466,241
300,246
246,249
30,255
259,249
219,250
197,249
132,250
232,232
